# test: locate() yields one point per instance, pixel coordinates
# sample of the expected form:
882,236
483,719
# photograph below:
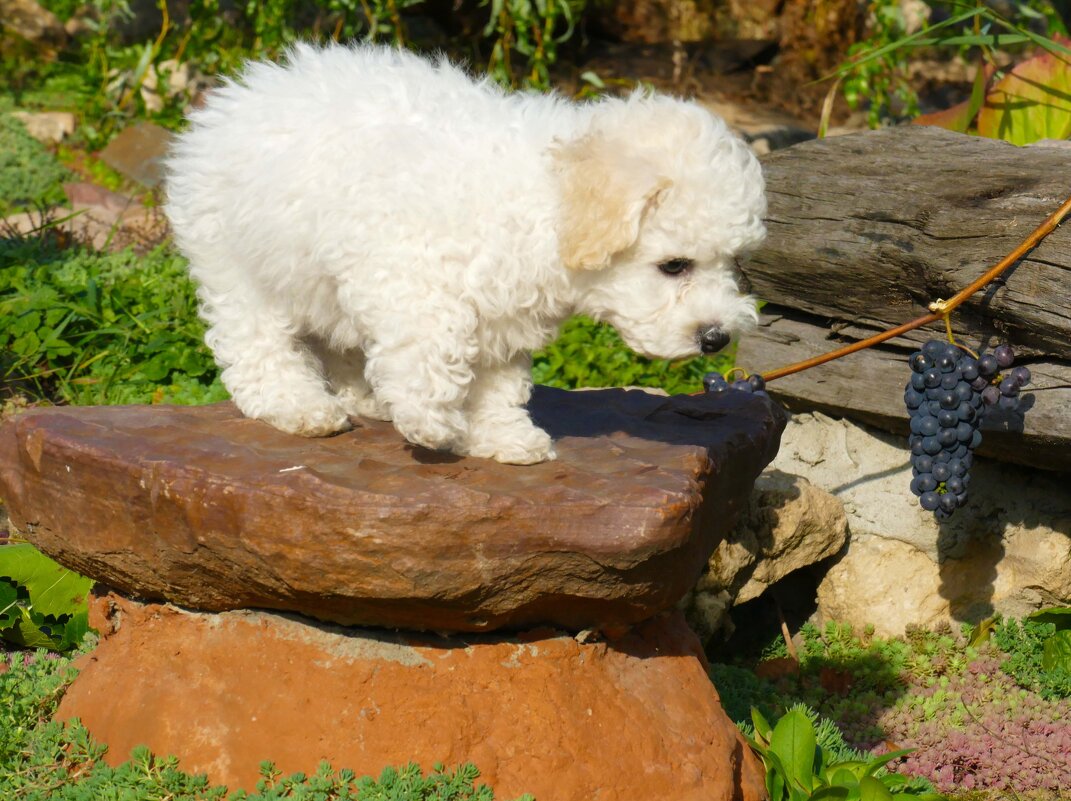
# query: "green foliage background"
79,326
42,604
29,175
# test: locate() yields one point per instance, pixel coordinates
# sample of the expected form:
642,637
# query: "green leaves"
589,354
793,740
532,29
1031,102
42,605
798,770
1056,652
9,610
86,327
1039,651
1055,649
1058,616
29,175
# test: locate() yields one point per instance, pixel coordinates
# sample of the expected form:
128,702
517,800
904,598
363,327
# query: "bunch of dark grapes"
947,397
754,384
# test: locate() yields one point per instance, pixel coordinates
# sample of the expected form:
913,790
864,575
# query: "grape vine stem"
939,309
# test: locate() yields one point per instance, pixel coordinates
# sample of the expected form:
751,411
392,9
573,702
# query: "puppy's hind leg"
499,426
345,376
420,370
270,374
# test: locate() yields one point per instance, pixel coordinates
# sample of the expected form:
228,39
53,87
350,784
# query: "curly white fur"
377,235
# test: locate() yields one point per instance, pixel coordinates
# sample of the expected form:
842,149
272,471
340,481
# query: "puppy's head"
657,200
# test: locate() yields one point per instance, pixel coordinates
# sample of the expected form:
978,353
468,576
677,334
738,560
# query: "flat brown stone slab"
631,717
209,510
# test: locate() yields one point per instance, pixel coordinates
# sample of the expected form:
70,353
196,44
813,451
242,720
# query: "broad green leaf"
1059,616
54,590
1032,102
955,118
775,785
158,367
74,630
27,345
776,775
981,632
1056,652
822,764
830,792
9,594
844,777
27,633
793,740
25,323
762,726
873,765
870,789
854,767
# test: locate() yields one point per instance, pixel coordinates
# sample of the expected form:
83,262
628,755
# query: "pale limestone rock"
789,524
708,613
793,523
100,226
889,584
47,127
882,582
1008,551
32,22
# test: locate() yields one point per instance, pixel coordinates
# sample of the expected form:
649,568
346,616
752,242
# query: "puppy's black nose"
713,339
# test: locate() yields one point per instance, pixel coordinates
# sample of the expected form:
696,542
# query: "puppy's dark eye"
675,266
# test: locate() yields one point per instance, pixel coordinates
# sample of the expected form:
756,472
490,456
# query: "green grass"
30,176
82,327
590,354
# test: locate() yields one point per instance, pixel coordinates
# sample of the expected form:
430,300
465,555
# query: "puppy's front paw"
314,420
513,445
437,428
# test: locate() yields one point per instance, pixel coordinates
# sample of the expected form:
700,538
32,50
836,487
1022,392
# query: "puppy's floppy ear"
604,195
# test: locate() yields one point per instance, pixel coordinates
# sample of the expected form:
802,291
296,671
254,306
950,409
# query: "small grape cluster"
946,398
753,384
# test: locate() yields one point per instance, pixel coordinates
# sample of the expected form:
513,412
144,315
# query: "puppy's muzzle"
712,339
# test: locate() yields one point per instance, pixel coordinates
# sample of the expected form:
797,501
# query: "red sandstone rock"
209,510
632,718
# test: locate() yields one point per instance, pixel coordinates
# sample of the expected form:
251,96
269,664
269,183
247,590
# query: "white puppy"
378,235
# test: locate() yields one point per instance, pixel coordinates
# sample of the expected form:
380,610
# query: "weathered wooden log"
866,230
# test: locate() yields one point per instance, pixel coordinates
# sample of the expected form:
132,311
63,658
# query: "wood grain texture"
870,228
866,230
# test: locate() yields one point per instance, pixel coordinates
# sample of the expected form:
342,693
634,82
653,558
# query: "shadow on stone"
676,420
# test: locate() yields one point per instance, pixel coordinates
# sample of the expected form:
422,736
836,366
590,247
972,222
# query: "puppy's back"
357,159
